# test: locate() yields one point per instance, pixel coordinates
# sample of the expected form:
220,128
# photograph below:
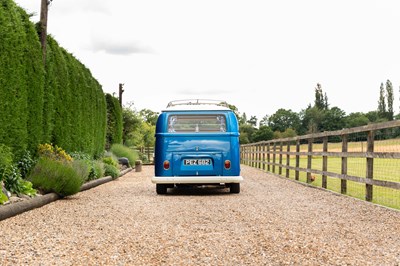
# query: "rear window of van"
196,123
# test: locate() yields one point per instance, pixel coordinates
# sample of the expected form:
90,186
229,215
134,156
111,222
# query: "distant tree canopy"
139,127
315,118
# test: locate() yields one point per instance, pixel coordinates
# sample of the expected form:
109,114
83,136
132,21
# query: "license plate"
197,161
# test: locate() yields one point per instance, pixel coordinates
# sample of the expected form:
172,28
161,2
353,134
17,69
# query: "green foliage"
263,133
11,174
283,119
6,160
95,167
321,100
132,123
13,85
150,117
97,170
111,170
381,102
14,183
3,198
77,109
60,177
122,151
114,121
59,102
109,160
25,164
53,152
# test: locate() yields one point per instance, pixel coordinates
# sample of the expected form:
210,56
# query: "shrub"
111,160
122,151
3,198
111,170
97,169
57,176
25,164
53,152
14,183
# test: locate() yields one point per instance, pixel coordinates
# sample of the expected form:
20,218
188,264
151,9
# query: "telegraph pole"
120,93
43,26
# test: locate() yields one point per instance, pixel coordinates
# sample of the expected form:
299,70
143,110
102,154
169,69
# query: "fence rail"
148,151
333,154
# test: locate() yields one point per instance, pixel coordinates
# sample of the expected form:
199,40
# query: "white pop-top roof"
197,105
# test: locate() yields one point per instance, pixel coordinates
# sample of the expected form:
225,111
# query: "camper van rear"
197,143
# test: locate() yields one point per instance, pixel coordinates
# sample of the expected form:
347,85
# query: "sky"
259,55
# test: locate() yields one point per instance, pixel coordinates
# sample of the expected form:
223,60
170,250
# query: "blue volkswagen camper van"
197,143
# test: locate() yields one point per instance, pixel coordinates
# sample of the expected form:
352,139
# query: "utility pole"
43,26
120,93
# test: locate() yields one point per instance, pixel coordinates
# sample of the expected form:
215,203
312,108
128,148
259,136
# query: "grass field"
384,169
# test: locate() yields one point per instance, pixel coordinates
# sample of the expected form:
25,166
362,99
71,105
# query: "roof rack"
198,102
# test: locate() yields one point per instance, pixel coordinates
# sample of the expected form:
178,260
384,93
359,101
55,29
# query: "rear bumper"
196,179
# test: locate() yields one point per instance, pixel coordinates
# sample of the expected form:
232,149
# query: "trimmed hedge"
114,121
60,103
77,120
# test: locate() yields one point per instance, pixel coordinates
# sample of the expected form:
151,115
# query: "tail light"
227,164
166,165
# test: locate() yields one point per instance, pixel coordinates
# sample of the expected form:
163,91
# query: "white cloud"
258,55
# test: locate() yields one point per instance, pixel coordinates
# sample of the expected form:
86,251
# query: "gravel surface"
272,221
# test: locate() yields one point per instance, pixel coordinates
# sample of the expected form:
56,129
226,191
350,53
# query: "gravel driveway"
271,222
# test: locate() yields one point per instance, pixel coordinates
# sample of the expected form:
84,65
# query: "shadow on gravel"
198,191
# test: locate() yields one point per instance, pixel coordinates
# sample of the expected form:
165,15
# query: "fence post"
268,157
274,158
325,163
259,156
297,160
370,167
263,156
253,158
309,159
343,182
287,158
280,157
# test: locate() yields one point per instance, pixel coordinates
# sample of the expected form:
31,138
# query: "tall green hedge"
21,80
77,109
61,103
114,121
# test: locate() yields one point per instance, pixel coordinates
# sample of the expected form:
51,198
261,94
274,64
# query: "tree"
284,119
390,99
149,116
382,103
132,123
263,133
311,120
320,102
246,133
333,119
356,120
264,121
252,121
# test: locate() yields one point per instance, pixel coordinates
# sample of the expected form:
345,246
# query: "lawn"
384,169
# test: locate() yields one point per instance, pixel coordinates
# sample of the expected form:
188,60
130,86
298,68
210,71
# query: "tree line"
316,117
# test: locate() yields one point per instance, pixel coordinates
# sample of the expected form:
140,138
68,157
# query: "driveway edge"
13,209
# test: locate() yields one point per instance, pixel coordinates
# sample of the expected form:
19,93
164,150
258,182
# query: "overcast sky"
257,55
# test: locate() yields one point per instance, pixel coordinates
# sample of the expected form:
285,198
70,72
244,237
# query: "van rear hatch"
199,155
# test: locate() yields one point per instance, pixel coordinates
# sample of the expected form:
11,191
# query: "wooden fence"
279,154
148,151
